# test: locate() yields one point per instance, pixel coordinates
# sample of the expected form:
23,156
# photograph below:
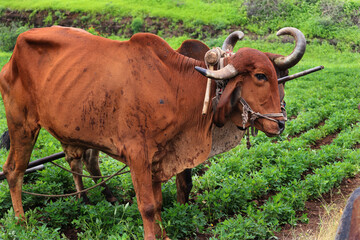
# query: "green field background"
243,194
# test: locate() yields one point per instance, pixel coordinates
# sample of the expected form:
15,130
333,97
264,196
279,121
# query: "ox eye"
261,77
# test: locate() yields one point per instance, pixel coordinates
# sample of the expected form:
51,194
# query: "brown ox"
138,101
223,139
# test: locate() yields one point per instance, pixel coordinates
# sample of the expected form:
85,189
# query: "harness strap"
248,144
255,115
283,110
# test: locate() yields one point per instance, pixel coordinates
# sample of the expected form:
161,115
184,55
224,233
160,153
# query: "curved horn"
299,50
225,73
231,40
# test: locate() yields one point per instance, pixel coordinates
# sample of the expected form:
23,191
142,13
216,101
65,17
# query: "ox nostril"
281,125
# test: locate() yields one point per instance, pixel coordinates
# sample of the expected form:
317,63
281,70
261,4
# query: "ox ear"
194,49
272,57
279,72
225,105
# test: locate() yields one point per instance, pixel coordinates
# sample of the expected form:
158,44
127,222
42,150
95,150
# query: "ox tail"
5,140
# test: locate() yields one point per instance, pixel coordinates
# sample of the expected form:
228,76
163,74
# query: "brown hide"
190,48
138,101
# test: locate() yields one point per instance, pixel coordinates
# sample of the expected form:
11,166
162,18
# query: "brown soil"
322,123
71,233
325,141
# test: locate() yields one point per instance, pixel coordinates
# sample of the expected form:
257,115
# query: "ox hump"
152,41
52,36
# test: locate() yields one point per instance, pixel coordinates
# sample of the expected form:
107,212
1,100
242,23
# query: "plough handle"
37,164
300,74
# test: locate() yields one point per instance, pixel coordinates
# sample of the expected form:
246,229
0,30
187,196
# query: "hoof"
86,200
109,196
112,200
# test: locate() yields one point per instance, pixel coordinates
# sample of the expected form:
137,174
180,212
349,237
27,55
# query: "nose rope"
283,110
253,116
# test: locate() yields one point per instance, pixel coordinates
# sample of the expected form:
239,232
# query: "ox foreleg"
158,206
91,161
183,186
148,194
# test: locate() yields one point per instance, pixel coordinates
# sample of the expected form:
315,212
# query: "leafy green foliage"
61,212
137,24
32,229
8,36
103,221
181,221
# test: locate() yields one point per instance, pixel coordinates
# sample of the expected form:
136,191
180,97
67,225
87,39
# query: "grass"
329,220
202,12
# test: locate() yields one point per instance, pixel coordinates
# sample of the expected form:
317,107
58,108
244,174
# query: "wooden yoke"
211,59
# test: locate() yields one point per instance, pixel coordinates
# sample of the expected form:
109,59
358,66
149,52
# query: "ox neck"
193,79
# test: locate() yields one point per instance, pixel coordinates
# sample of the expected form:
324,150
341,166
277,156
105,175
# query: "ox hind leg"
148,192
183,186
91,161
23,137
73,156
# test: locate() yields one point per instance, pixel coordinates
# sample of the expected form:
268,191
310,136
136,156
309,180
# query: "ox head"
251,77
